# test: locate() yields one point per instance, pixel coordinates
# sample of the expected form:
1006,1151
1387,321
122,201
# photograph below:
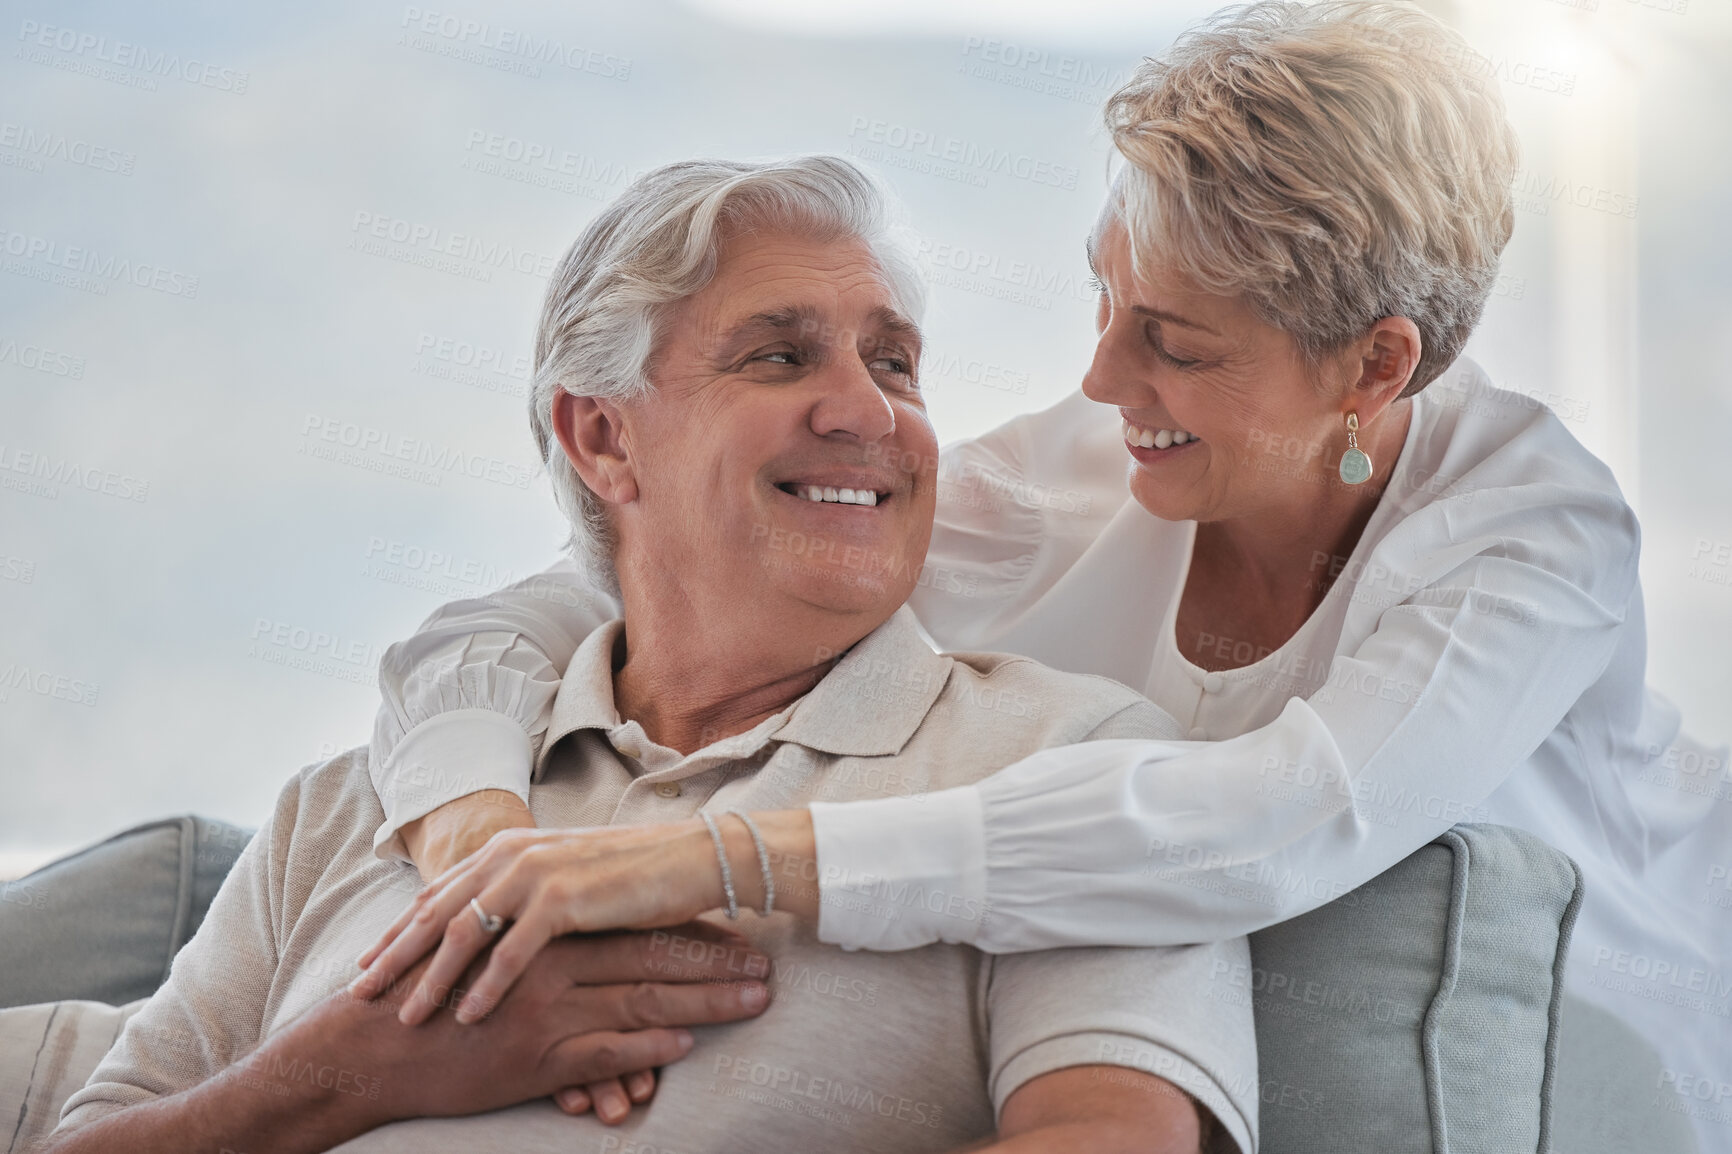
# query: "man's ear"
1388,358
592,433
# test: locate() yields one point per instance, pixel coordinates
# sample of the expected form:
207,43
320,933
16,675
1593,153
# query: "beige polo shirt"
904,1052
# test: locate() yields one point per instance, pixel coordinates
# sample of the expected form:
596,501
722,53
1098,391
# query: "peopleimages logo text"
123,54
510,41
103,266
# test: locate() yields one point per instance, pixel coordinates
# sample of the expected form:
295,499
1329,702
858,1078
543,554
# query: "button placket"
646,795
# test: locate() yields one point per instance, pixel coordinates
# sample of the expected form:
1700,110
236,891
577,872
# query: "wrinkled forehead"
799,287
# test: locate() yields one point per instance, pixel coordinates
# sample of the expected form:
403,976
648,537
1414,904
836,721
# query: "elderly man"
727,364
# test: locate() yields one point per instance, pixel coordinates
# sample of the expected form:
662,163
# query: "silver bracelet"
763,861
722,857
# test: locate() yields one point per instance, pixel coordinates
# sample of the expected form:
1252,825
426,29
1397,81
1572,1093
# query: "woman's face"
1254,431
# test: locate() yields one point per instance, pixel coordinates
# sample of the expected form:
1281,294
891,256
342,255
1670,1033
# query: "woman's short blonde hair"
1333,163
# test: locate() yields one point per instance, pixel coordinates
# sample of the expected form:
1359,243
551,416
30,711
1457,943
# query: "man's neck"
692,674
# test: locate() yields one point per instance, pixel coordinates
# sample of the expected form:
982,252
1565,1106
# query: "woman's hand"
442,838
552,882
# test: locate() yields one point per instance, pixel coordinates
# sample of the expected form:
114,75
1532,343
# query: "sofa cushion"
1419,1012
47,1053
103,924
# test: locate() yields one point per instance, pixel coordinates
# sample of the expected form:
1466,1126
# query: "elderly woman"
1383,596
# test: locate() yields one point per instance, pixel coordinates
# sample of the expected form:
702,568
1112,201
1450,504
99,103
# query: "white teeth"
868,497
1155,438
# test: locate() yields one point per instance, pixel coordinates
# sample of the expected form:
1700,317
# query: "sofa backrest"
1418,1014
104,923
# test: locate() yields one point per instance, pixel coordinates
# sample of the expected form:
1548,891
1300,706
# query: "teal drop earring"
1355,465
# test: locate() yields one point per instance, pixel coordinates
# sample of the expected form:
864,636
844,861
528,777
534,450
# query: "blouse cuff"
448,756
899,872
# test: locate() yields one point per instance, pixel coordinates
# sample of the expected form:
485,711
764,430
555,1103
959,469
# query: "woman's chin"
1162,500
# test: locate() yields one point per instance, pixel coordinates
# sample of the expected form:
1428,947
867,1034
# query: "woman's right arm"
466,703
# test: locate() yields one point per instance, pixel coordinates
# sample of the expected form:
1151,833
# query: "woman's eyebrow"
1173,318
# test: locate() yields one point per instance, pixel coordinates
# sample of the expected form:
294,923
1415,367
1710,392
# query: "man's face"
791,376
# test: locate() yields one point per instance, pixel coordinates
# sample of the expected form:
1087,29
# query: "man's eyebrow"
894,323
804,319
781,317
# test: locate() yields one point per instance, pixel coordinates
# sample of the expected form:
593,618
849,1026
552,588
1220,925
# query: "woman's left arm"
1488,639
1487,642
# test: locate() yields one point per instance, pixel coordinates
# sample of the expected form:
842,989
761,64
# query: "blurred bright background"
230,232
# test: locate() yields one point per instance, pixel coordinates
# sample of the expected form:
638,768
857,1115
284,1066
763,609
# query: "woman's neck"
1255,580
1317,527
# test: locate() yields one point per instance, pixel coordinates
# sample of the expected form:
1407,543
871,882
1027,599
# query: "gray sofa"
104,923
1421,1013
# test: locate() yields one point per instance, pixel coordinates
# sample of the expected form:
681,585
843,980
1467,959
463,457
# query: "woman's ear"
1389,356
593,434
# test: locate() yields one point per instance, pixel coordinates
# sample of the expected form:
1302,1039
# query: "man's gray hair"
656,245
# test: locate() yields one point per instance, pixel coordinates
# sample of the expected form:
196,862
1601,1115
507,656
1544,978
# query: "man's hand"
440,839
581,1014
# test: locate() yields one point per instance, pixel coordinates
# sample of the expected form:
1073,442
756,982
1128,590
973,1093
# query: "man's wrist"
238,1109
303,1099
320,1074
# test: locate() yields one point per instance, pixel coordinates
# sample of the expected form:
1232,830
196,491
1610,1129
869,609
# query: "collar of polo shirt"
869,705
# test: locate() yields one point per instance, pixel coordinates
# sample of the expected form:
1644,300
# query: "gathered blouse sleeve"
466,700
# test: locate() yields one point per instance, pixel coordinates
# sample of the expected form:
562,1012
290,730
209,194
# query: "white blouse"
1479,657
